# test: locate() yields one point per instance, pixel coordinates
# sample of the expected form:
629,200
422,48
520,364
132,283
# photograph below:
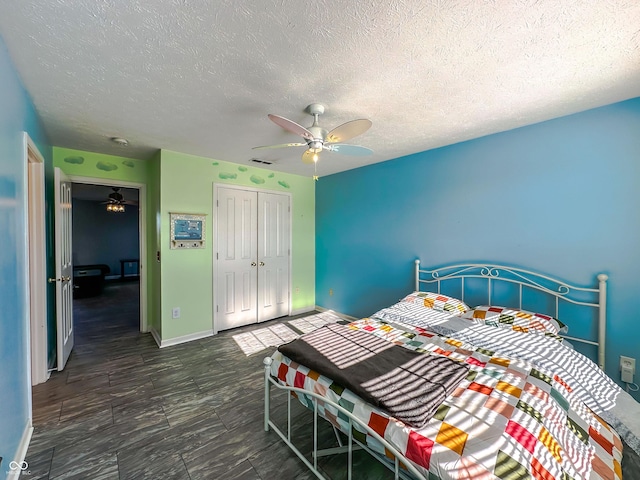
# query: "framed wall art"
187,230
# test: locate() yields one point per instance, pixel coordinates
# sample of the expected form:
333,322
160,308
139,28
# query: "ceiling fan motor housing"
319,135
315,145
116,196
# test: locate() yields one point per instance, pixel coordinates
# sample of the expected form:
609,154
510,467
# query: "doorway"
109,249
252,256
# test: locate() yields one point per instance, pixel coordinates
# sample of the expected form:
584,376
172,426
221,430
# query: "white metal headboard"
525,279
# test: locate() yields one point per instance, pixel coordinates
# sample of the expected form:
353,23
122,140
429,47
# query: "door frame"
36,255
142,233
216,187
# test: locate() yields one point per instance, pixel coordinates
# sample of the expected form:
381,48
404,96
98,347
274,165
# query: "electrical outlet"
297,289
331,292
627,368
175,313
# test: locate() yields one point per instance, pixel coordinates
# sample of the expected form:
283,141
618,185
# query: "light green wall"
183,183
153,246
78,163
186,186
88,164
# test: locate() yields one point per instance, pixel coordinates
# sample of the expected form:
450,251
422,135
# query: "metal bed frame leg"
602,318
348,447
267,388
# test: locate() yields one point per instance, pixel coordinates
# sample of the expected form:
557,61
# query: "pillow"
438,302
519,320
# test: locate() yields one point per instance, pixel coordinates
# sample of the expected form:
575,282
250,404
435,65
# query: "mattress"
547,351
513,416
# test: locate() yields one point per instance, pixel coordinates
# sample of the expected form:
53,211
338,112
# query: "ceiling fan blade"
307,157
290,126
348,130
281,145
346,149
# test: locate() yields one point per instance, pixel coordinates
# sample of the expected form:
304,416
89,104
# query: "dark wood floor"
125,409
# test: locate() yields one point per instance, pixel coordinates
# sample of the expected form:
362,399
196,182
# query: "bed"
436,389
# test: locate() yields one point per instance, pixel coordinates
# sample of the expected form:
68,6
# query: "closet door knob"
262,264
253,264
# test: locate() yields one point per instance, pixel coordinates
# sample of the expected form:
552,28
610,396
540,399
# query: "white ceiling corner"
200,77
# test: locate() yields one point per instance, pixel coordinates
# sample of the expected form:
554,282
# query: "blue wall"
17,114
101,237
561,197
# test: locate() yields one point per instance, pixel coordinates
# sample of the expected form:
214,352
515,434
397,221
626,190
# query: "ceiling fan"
317,139
115,201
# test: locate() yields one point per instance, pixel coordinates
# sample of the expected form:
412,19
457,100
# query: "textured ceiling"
200,77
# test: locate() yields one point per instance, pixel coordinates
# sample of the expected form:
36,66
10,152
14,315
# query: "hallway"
114,315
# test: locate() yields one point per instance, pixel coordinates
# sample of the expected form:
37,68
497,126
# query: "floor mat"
262,338
311,322
274,335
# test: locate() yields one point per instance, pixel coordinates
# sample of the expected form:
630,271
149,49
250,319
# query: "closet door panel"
251,265
273,255
236,266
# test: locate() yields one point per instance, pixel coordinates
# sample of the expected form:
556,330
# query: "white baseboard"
156,337
183,339
20,455
208,333
343,315
299,311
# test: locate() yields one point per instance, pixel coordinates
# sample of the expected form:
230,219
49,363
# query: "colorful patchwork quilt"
508,419
516,319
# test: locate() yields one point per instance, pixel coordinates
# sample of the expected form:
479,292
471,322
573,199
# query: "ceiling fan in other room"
317,139
116,202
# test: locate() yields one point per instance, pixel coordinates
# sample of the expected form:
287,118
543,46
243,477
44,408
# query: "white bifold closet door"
251,264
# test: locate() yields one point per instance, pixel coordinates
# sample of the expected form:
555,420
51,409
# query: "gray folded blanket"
409,385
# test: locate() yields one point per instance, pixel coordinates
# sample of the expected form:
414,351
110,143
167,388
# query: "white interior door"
251,264
273,255
236,258
64,268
